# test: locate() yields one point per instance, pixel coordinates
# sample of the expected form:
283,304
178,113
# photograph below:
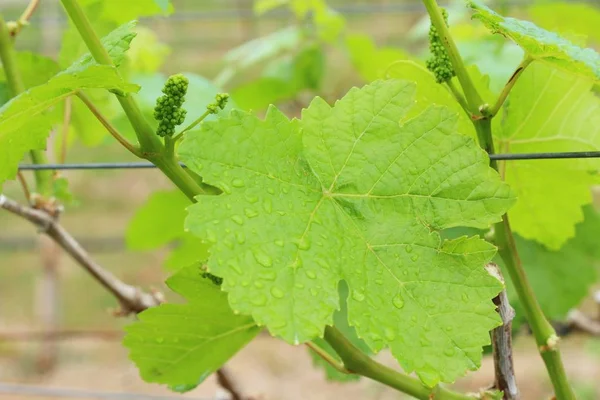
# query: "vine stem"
437,19
359,363
151,147
544,333
43,179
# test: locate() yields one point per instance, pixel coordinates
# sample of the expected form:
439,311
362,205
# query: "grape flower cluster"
168,110
439,63
219,103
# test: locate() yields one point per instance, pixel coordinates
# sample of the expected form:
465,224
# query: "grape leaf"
550,110
182,344
539,43
357,196
371,62
159,222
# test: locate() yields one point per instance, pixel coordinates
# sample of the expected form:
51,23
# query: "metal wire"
147,165
63,393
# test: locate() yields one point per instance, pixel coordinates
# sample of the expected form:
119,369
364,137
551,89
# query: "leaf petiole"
328,358
491,112
109,127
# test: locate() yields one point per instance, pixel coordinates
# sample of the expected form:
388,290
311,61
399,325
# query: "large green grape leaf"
356,196
182,344
550,110
539,43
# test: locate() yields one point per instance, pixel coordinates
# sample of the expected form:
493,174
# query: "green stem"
151,147
507,88
544,333
191,126
43,179
459,97
359,363
149,142
328,358
437,19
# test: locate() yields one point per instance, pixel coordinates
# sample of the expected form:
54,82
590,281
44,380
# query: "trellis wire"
147,165
63,393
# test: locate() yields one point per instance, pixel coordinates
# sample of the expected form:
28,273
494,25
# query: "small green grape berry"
439,63
168,110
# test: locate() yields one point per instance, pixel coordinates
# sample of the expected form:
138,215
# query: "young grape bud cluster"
168,110
439,62
219,104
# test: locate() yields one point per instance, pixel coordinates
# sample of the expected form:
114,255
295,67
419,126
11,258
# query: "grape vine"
374,222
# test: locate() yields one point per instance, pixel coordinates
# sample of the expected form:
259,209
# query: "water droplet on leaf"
237,219
238,183
250,213
277,293
263,259
398,301
358,295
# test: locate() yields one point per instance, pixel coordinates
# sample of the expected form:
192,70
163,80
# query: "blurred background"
259,58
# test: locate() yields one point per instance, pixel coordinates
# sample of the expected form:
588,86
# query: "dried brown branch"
132,299
225,380
502,343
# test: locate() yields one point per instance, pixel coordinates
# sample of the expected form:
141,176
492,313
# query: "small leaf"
182,344
158,222
349,193
539,43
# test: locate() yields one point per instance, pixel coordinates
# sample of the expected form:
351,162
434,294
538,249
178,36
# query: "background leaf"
550,110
